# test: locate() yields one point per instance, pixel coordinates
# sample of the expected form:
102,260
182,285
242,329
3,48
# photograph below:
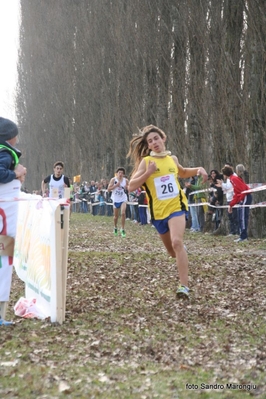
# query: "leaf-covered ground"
127,336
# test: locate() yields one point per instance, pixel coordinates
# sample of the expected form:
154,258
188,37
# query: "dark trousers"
94,209
142,215
200,214
243,216
128,212
136,212
233,221
102,209
218,217
84,205
109,207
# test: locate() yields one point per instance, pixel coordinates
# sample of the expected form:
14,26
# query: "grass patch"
127,336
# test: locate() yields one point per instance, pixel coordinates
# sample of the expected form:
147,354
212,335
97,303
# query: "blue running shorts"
162,224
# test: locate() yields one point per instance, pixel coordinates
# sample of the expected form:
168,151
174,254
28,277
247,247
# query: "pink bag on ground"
28,309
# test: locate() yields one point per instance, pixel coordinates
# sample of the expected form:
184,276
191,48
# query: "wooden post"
58,267
64,246
61,248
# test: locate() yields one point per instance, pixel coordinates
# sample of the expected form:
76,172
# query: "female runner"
157,171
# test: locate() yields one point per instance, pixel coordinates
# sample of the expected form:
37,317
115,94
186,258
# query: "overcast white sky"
9,38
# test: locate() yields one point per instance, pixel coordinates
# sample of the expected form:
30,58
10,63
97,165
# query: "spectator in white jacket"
228,189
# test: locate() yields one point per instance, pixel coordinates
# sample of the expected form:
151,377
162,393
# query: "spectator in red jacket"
239,198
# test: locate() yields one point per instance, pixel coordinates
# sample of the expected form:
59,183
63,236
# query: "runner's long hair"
138,146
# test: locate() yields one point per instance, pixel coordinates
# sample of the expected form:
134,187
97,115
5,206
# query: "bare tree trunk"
255,93
196,81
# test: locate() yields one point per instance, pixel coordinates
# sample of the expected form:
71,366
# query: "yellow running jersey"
164,193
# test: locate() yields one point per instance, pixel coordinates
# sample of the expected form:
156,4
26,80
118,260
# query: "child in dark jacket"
12,174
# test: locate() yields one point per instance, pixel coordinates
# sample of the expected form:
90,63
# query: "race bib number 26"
166,187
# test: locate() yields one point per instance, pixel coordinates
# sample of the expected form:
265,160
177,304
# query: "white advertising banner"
38,255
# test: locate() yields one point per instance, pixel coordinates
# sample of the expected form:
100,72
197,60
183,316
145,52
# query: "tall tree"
92,72
255,96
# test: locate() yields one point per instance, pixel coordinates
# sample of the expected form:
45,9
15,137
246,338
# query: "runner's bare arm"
141,175
189,172
112,184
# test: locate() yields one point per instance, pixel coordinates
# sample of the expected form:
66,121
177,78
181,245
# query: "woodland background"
92,72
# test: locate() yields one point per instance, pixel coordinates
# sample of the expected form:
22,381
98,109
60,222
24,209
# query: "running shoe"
115,231
182,292
123,233
5,323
